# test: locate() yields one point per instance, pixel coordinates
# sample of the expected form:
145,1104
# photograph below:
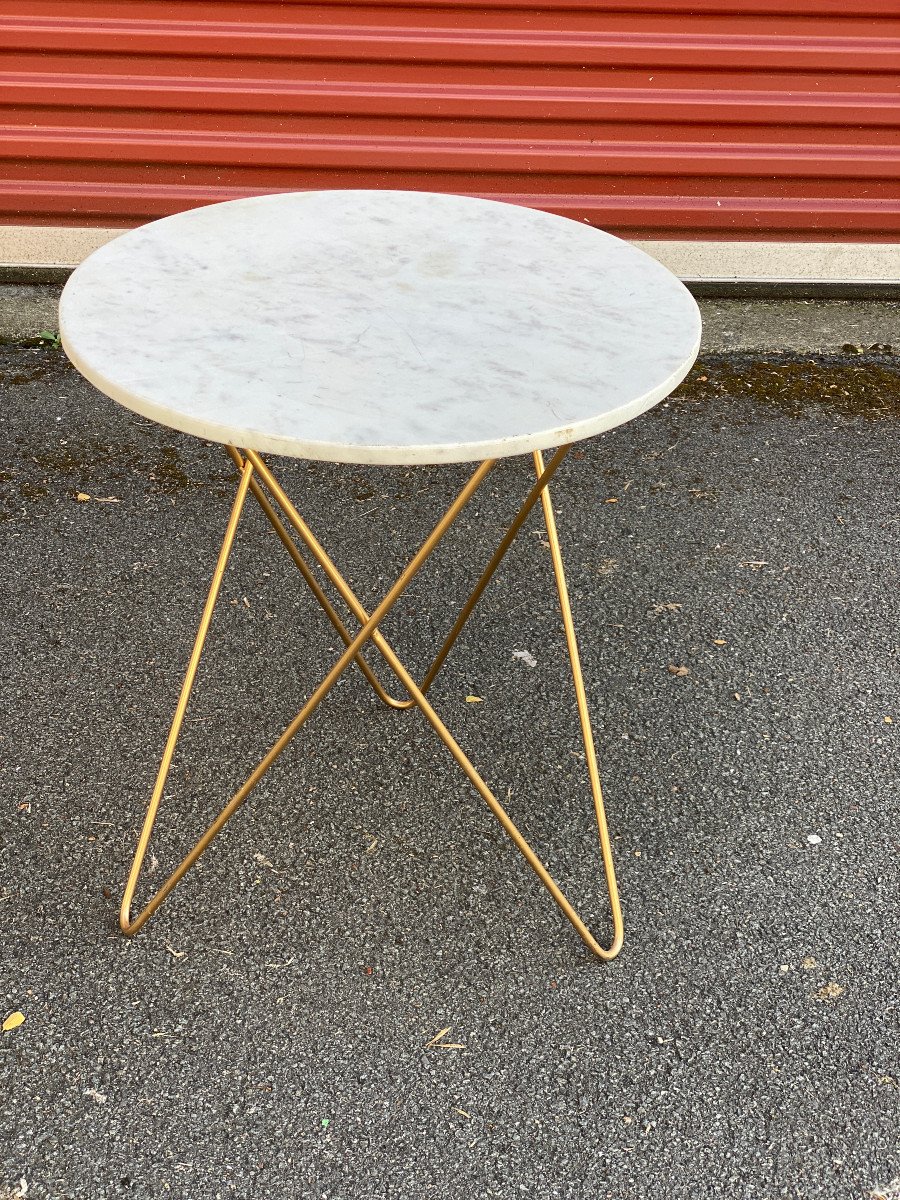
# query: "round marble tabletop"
379,327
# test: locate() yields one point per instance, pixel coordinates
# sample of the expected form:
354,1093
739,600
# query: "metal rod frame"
255,478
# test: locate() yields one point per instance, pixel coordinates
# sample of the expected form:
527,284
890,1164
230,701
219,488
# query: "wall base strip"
850,270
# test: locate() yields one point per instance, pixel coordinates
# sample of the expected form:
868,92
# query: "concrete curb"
816,326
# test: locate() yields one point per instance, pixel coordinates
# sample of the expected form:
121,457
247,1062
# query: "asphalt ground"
270,1032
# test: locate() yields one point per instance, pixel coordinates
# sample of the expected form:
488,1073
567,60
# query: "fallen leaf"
528,659
669,606
474,700
719,642
611,500
830,991
809,963
674,670
438,1043
888,720
13,1021
82,496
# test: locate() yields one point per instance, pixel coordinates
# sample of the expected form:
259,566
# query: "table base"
257,478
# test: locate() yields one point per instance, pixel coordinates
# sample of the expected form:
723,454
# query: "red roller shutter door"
655,120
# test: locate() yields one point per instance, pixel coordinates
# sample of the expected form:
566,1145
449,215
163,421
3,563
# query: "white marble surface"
379,327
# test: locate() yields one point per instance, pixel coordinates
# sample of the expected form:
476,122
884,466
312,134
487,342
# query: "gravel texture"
268,1033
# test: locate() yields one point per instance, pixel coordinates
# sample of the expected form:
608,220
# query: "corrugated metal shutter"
655,118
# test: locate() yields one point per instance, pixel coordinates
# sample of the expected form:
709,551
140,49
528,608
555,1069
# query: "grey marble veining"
379,327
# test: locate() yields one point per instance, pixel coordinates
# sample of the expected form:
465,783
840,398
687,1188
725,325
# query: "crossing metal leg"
255,476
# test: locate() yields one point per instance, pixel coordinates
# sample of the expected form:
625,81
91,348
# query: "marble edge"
384,455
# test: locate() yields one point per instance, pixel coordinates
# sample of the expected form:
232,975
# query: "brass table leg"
255,475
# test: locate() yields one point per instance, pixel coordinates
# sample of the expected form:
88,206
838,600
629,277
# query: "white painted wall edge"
779,262
37,246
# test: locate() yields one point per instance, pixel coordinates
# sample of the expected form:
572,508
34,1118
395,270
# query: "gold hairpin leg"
251,463
131,925
584,718
125,922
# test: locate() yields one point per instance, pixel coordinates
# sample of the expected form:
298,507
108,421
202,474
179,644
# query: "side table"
390,328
